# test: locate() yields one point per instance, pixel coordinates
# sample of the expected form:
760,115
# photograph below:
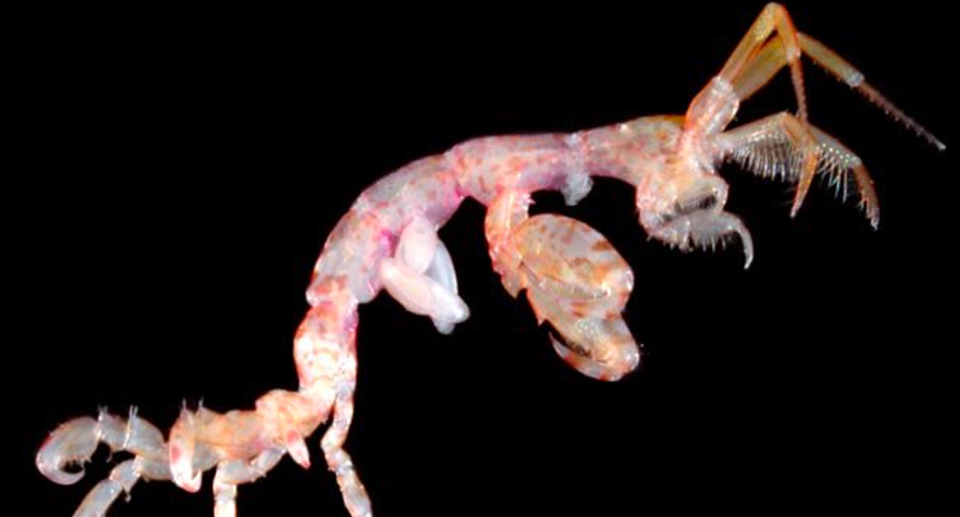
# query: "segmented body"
485,169
573,277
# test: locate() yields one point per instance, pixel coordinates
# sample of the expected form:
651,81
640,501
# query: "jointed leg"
705,228
355,496
77,440
774,17
121,480
776,145
233,473
777,53
846,72
756,60
771,44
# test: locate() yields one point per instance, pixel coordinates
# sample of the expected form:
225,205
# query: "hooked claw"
705,228
71,443
577,281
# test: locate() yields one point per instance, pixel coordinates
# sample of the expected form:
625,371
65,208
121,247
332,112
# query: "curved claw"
586,365
705,228
72,442
599,347
579,283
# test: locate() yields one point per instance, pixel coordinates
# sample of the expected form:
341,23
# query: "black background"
185,169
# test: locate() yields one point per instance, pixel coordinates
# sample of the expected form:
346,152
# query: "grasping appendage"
573,277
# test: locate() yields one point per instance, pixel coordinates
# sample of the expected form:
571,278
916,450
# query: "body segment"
574,279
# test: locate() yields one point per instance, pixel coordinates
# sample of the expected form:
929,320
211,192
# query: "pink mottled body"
573,277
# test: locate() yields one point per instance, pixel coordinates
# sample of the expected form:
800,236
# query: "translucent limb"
705,228
774,17
77,440
355,496
232,473
771,44
774,146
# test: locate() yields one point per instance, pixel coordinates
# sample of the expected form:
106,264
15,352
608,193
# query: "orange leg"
774,17
772,57
771,44
775,146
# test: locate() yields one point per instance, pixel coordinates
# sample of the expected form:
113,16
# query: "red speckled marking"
602,246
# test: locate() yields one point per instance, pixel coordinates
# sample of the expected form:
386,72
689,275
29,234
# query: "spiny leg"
777,53
772,58
355,496
775,145
236,472
846,72
704,228
754,63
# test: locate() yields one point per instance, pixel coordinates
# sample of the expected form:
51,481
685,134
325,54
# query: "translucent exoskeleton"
573,277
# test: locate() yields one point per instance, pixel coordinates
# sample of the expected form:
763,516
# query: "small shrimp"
573,277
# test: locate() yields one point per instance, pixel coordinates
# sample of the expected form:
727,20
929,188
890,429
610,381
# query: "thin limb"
753,64
839,67
121,480
704,228
77,440
355,496
774,17
773,146
772,57
236,472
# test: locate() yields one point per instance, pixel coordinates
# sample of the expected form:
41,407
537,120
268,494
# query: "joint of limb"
843,70
786,50
780,145
355,496
759,57
232,473
77,440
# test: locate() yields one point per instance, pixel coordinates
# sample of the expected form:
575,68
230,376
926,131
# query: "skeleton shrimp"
573,277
